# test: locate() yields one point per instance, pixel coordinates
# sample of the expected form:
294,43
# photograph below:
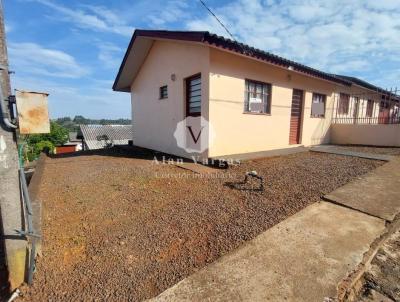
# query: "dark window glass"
164,92
193,95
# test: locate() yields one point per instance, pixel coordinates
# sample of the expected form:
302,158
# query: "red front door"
295,117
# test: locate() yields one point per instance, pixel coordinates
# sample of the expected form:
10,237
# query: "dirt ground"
118,228
382,279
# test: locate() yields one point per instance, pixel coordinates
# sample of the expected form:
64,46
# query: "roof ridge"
235,46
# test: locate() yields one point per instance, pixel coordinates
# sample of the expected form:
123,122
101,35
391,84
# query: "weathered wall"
376,135
10,203
238,132
154,120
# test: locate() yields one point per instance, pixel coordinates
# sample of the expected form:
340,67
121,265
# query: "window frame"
343,108
187,92
160,94
369,111
246,107
312,102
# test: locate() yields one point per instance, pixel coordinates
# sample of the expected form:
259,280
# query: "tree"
37,143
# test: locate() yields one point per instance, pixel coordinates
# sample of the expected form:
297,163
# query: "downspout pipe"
6,120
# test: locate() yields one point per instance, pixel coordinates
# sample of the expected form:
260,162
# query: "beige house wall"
364,95
223,95
376,135
155,120
238,132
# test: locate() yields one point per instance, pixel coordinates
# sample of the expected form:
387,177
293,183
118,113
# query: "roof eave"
194,36
227,44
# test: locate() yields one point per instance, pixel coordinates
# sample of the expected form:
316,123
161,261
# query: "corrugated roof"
370,86
73,136
116,134
220,42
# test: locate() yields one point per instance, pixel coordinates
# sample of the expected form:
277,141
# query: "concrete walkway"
333,150
377,193
301,259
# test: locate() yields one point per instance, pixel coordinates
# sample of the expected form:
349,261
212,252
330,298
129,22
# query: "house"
74,144
253,100
105,136
74,139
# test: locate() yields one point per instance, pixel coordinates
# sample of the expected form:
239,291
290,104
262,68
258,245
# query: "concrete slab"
334,150
301,259
376,193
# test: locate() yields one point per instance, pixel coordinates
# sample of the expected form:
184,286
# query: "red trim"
296,115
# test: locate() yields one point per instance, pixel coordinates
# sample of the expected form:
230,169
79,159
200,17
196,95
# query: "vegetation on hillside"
33,144
72,124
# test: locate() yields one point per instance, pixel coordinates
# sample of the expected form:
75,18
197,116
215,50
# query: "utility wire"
219,21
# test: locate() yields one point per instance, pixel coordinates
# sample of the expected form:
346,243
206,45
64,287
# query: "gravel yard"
116,228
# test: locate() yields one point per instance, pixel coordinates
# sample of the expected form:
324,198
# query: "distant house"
255,101
105,136
74,139
74,144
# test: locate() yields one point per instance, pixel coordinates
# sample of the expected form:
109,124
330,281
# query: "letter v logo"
195,139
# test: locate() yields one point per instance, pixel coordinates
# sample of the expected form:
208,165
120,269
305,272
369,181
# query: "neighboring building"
74,144
65,149
75,139
105,136
254,100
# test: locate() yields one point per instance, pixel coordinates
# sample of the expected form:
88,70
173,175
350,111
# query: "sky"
72,49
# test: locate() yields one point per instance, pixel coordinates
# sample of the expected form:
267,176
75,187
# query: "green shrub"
36,143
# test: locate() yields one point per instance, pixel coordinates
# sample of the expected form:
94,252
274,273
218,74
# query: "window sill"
257,113
317,116
162,98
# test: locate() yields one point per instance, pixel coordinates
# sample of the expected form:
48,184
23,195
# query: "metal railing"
379,107
29,231
366,120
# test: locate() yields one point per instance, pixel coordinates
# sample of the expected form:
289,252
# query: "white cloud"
32,58
383,4
336,36
8,28
171,11
110,55
307,13
96,18
93,99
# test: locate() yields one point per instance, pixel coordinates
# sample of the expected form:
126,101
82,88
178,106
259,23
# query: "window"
370,108
384,106
318,105
344,100
258,97
356,102
163,92
193,95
